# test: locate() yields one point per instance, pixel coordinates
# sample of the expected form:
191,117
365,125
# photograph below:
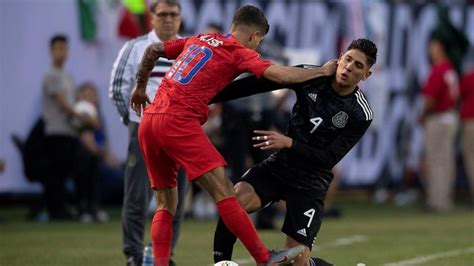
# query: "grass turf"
374,235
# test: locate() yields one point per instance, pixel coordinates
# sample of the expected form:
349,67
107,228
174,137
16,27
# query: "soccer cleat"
283,256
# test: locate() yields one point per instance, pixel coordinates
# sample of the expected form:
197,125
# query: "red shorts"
168,142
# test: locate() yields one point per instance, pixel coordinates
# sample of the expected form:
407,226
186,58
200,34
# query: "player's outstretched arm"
139,98
290,75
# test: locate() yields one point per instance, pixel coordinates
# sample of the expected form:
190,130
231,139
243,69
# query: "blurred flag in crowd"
87,19
135,18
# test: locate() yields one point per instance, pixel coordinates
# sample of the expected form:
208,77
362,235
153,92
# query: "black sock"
224,241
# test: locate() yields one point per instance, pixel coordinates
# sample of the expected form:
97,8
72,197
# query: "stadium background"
312,32
316,28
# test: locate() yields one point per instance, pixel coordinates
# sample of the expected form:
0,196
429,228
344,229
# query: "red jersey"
442,86
467,96
204,65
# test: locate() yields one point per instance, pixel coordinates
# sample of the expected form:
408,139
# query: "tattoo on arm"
152,53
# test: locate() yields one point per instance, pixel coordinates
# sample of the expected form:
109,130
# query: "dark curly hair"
367,47
251,16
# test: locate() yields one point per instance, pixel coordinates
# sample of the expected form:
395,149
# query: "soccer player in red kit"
170,132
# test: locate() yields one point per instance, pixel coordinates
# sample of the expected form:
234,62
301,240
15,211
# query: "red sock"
239,223
161,235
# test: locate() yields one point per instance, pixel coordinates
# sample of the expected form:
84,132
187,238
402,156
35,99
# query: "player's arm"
152,53
291,75
139,98
170,50
63,105
244,87
334,152
426,109
122,80
251,85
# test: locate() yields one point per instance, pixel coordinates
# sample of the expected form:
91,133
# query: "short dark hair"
57,38
251,16
367,47
168,2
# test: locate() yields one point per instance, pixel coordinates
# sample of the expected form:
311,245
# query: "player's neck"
239,36
342,90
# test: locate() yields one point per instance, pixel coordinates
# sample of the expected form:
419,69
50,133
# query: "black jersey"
324,127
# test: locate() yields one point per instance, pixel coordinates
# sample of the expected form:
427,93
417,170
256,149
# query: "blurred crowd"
68,153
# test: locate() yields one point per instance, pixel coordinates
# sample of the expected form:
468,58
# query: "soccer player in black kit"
330,116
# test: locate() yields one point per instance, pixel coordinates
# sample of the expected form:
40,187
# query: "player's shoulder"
362,109
136,42
315,84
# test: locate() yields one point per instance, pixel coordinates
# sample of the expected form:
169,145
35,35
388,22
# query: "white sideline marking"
422,259
345,241
339,242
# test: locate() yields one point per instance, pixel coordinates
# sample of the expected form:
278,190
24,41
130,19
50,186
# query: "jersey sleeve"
174,47
328,157
248,60
251,85
245,87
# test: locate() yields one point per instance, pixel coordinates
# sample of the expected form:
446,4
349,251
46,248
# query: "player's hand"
139,100
330,67
271,140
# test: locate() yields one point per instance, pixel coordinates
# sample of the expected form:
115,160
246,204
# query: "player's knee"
247,196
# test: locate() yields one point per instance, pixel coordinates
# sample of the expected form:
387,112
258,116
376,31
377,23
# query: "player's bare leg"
216,184
303,259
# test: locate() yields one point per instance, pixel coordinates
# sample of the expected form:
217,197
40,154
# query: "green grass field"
374,235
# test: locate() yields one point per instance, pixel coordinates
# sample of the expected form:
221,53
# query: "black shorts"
304,208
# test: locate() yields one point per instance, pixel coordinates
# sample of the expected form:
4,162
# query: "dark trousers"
61,151
86,179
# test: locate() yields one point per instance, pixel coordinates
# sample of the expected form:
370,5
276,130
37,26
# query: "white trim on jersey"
365,105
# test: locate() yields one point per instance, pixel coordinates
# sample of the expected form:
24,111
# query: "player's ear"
366,75
254,35
340,58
